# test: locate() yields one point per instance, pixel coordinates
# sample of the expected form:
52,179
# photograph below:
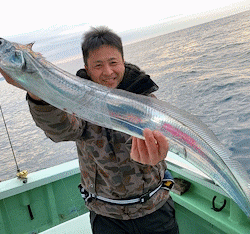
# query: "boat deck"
77,225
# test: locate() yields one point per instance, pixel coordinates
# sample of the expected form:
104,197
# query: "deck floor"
77,225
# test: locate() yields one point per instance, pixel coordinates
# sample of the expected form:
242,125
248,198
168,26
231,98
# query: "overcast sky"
19,17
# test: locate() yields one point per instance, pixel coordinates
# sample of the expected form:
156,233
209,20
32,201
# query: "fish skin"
129,113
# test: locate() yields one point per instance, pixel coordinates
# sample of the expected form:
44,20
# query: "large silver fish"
128,113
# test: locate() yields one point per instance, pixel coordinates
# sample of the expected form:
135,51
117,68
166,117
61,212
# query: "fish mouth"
2,42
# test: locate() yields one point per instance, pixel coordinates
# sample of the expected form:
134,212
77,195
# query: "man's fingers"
151,150
10,80
143,151
151,143
162,143
134,150
139,151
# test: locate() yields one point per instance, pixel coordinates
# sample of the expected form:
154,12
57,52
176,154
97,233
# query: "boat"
48,202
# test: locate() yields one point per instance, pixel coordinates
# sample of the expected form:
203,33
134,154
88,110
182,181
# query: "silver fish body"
129,113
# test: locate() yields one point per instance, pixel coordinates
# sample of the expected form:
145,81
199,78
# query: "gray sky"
19,17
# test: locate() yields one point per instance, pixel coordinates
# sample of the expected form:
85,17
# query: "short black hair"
96,37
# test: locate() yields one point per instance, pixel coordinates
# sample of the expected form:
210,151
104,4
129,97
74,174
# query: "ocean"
203,69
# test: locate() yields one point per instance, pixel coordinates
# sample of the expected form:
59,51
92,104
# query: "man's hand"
10,80
14,83
151,150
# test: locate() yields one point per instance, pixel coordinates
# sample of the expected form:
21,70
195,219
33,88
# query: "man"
121,185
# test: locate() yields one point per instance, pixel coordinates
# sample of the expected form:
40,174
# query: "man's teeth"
110,79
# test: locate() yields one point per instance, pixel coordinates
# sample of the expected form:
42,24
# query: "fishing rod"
20,174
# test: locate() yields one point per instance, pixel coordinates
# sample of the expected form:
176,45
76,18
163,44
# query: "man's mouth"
109,80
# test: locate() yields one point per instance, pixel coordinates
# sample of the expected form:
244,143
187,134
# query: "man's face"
105,66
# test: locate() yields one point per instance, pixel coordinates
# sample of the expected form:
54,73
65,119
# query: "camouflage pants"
161,221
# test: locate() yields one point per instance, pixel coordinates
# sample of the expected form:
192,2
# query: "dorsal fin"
29,46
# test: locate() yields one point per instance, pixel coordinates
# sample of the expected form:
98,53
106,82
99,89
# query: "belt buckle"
85,194
143,198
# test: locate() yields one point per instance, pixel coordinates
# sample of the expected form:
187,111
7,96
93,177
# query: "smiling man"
105,66
121,186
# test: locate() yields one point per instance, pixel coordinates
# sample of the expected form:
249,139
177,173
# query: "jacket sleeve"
57,124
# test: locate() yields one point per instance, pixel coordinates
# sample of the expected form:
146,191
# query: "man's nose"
107,70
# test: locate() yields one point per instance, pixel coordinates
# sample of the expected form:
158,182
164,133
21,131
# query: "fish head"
11,58
18,62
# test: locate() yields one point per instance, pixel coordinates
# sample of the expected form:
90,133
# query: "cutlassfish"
129,113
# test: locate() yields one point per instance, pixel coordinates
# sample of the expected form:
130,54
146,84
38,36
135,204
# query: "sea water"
204,70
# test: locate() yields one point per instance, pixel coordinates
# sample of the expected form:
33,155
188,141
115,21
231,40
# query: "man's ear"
87,70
